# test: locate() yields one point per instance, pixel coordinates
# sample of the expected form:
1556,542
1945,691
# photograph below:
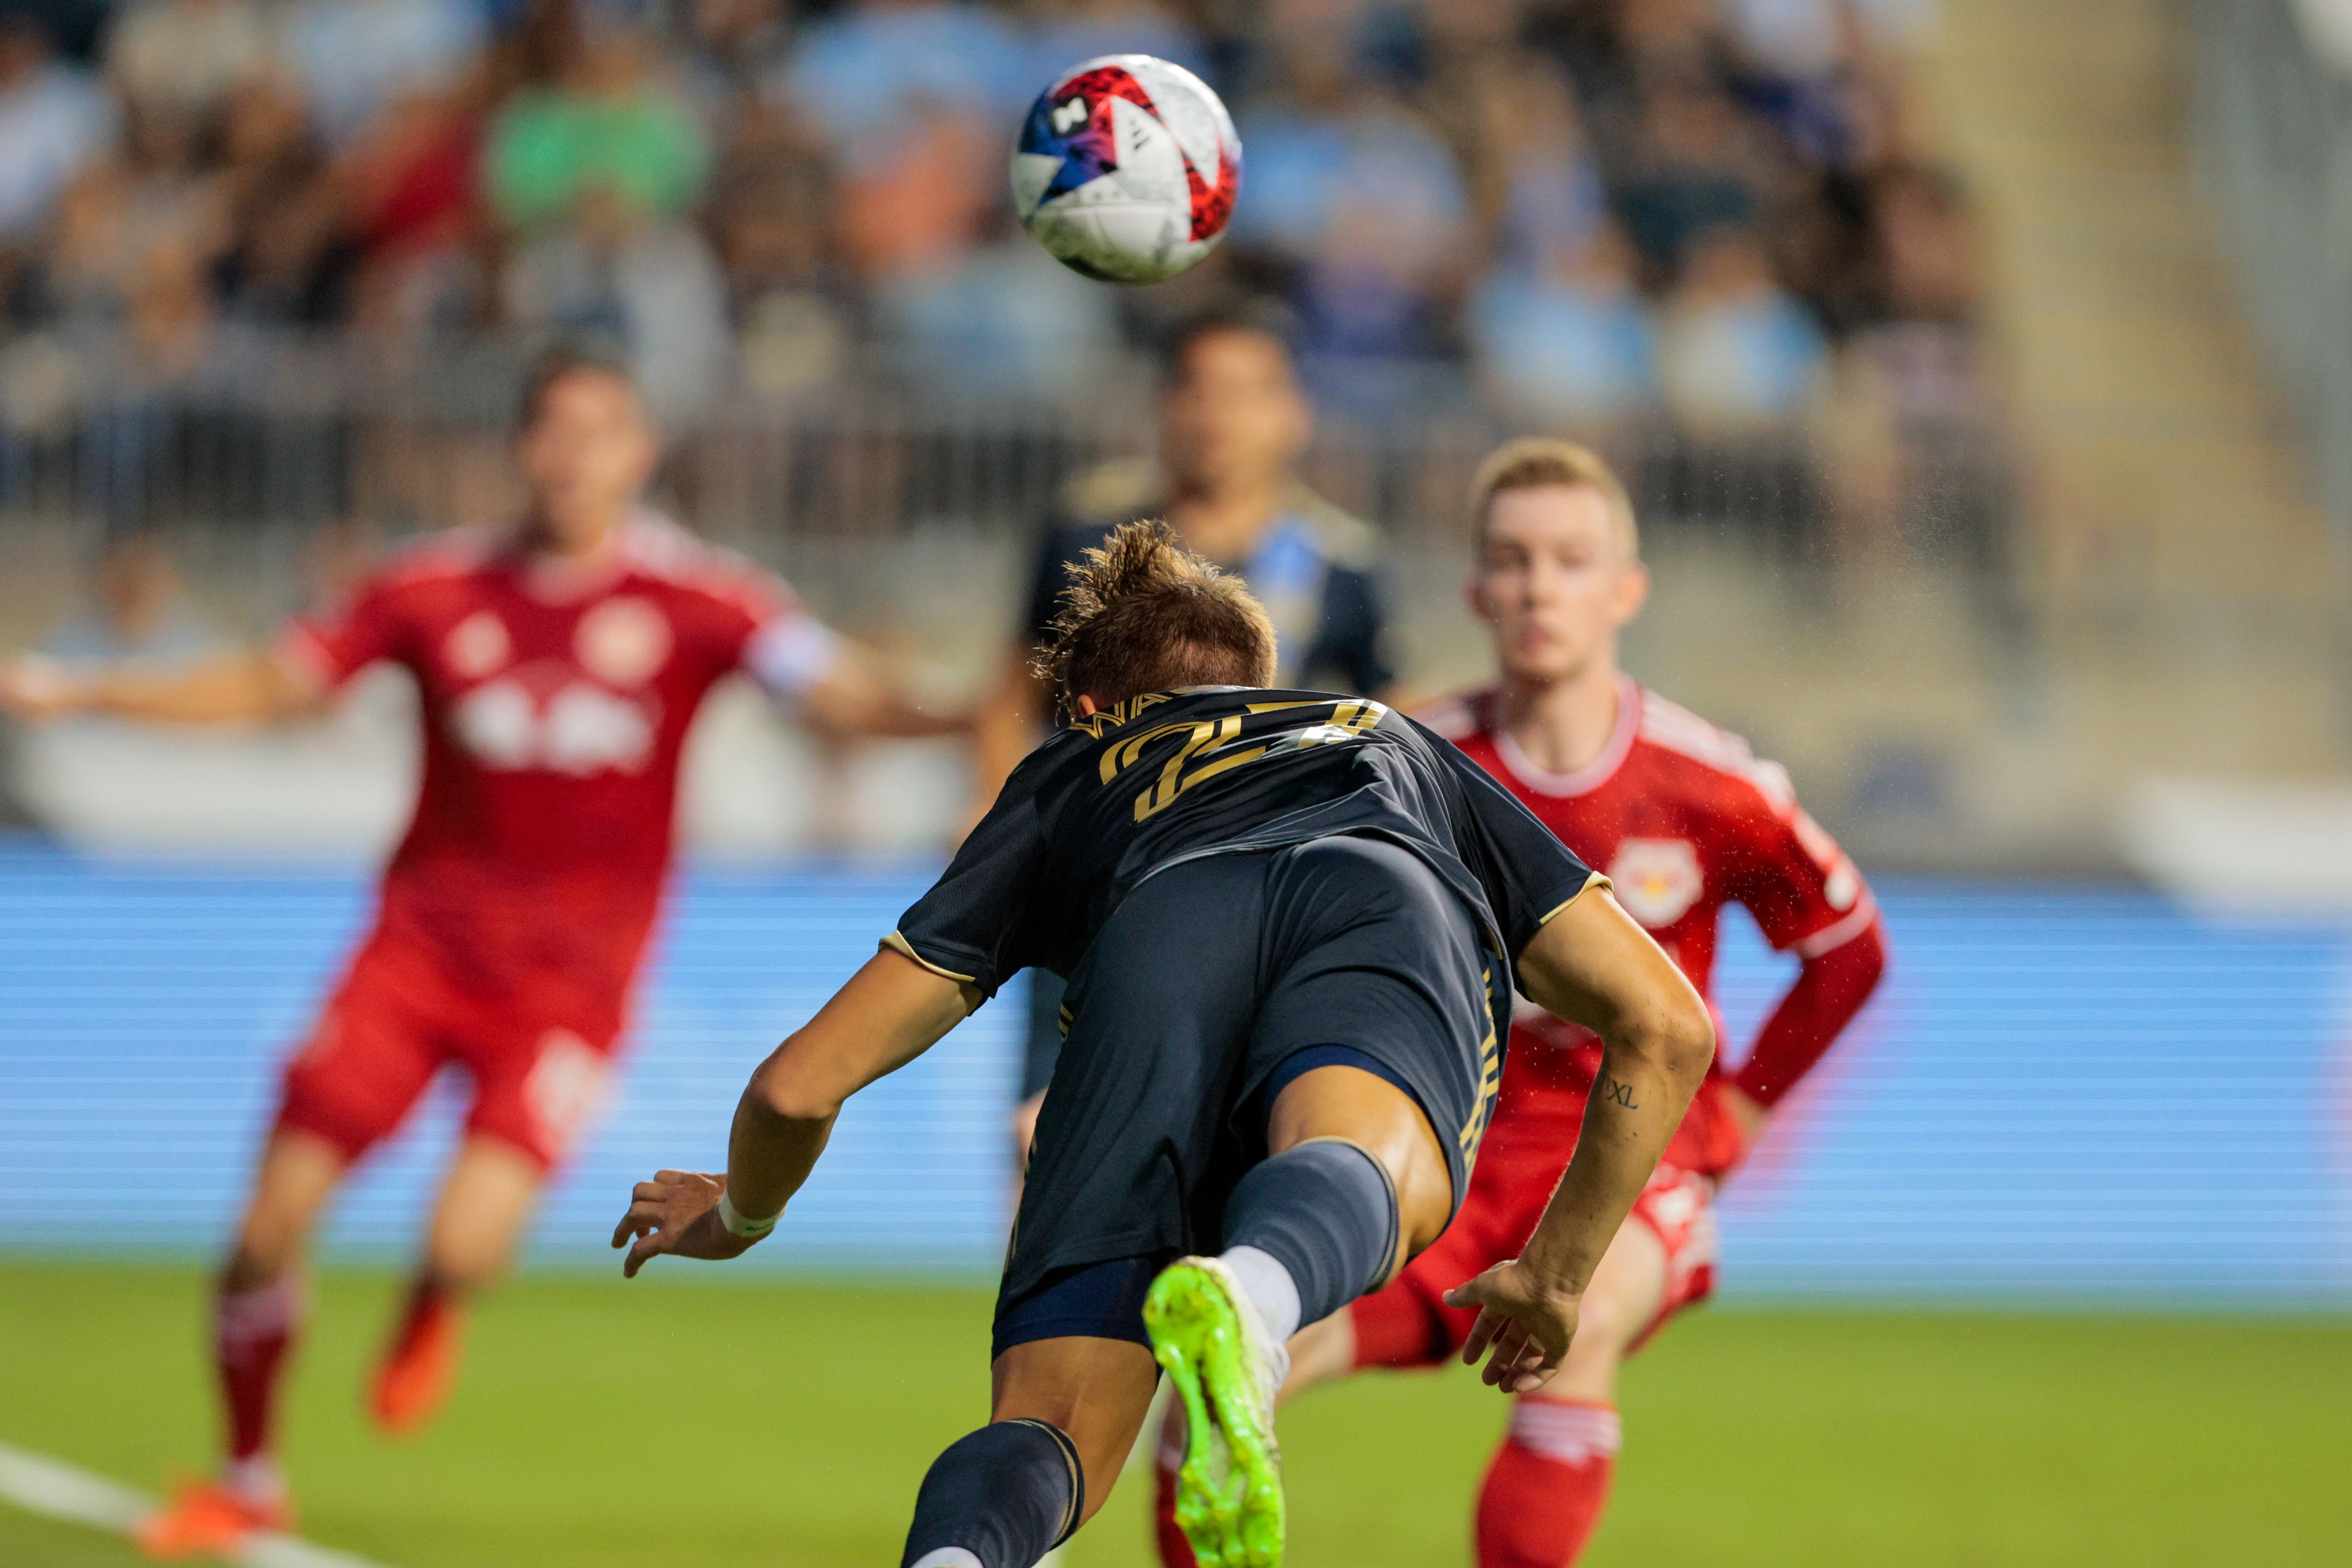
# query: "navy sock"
1326,1211
1008,1494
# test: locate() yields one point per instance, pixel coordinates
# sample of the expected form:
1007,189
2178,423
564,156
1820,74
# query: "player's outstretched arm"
234,689
891,1012
1593,965
858,697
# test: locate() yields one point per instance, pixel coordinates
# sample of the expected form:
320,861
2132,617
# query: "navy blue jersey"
1313,569
1169,777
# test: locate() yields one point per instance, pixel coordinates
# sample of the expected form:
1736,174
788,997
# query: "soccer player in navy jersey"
1291,924
1234,422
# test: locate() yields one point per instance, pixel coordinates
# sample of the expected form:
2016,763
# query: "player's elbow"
789,1091
1865,958
1682,1036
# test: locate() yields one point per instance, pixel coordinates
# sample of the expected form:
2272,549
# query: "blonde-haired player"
1683,819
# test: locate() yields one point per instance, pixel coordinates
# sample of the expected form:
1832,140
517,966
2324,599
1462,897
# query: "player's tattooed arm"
1592,965
891,1012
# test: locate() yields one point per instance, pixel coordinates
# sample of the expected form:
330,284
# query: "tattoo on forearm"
1618,1092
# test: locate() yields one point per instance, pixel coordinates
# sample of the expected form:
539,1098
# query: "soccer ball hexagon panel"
1127,169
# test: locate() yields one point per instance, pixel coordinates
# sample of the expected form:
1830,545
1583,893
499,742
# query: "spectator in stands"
771,215
914,198
136,611
186,58
1736,351
858,75
53,121
1567,341
352,59
1003,319
596,172
135,239
283,219
1818,72
1920,365
1695,170
1061,33
604,124
1354,195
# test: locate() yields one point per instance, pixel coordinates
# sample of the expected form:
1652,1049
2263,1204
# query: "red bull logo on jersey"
477,646
623,642
1657,879
580,729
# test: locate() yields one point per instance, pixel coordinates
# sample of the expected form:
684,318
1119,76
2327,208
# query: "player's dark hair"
1267,319
560,361
1144,614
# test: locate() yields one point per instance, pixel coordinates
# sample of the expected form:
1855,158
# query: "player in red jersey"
560,667
1683,819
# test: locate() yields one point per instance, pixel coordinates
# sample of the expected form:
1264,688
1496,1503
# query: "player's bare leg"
1547,1483
256,1312
485,1202
1096,1391
1353,1180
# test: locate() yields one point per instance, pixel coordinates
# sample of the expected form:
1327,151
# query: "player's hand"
1525,1319
35,689
1748,1114
678,1213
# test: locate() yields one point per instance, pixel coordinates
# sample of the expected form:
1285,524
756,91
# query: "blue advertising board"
2058,1093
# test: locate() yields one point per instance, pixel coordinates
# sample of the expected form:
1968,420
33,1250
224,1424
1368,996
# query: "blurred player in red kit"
1683,819
560,666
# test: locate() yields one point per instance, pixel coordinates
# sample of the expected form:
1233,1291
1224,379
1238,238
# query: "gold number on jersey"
1209,749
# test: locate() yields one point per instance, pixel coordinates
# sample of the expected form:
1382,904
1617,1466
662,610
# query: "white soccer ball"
1127,169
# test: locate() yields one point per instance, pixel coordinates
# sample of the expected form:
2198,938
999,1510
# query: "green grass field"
689,1421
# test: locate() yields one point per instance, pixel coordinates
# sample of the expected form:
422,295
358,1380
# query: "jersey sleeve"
1529,874
977,924
775,640
1804,893
366,628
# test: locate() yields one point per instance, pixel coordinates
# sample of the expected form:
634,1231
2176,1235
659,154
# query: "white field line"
45,1486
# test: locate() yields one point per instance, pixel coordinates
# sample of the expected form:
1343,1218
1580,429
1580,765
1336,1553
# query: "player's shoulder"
1463,717
1678,743
449,559
1340,537
1108,493
664,553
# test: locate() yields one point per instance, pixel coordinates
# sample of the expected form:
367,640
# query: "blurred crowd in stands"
1718,215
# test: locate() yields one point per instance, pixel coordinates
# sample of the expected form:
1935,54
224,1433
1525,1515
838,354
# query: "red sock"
1175,1551
252,1330
1545,1489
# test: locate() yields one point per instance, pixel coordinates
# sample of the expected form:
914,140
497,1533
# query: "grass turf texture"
688,1421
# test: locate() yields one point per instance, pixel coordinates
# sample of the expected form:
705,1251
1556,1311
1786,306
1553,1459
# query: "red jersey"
1683,819
555,704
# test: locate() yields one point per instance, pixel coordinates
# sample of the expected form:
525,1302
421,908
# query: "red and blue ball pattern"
1127,169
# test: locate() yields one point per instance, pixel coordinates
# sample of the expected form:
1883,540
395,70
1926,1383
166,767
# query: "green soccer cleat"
1229,1487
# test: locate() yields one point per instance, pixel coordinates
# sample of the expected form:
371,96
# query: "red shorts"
396,1021
1409,1323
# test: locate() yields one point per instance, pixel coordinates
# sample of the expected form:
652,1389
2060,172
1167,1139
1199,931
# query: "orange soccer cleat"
204,1519
417,1371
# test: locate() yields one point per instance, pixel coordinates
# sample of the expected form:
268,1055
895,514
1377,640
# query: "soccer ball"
1127,169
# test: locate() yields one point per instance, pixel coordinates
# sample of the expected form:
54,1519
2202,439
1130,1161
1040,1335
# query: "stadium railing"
294,432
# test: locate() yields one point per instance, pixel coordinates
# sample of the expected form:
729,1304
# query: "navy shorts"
1213,986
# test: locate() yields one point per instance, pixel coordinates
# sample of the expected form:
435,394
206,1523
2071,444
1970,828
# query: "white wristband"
740,1224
